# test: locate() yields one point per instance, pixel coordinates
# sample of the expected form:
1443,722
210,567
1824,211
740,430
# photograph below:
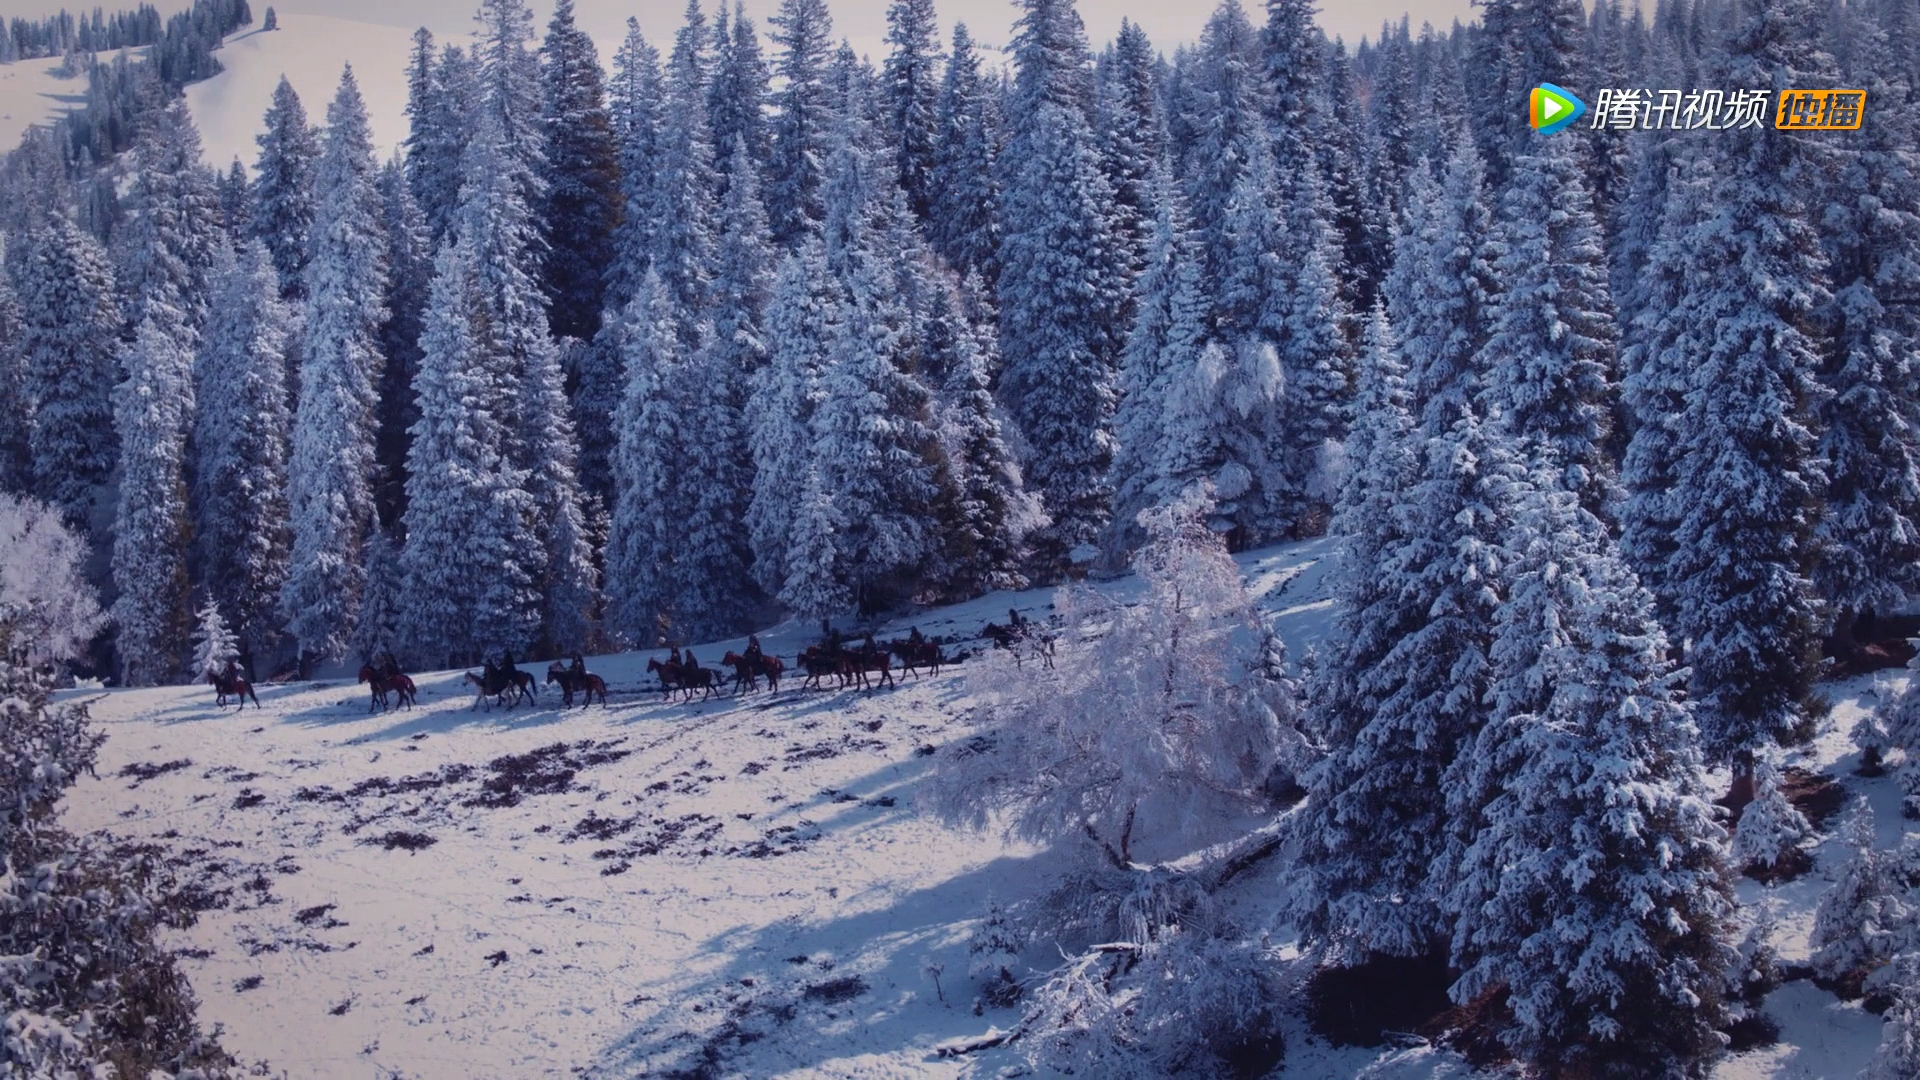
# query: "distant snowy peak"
310,51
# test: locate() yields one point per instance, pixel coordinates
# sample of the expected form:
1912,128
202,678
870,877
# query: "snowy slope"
33,92
638,889
310,51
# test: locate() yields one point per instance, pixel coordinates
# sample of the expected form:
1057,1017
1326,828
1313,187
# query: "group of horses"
867,665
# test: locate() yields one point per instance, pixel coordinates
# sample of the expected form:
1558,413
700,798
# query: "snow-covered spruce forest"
1613,434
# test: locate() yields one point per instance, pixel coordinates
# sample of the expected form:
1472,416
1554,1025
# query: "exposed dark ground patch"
546,771
143,771
401,839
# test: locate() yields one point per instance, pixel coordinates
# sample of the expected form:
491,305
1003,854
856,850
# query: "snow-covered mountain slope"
34,92
310,50
738,887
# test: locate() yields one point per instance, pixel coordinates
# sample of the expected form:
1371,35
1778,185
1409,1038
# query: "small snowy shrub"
1899,1054
1771,829
1865,918
992,953
42,581
213,644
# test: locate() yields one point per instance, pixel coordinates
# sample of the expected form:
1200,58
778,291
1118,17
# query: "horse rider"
228,672
506,664
674,659
1016,620
753,650
578,669
693,666
868,646
389,667
914,638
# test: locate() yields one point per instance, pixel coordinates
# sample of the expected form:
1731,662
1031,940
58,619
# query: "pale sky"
1168,23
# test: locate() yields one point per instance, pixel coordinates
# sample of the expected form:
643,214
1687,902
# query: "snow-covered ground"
34,92
638,889
310,50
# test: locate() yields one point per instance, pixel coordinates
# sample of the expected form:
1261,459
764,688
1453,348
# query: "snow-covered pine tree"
1550,357
1899,1052
1059,286
1658,347
166,248
1291,48
69,341
802,317
1748,479
441,106
240,434
802,31
1169,330
1224,99
986,546
737,93
152,409
468,514
1870,529
236,204
381,627
1443,288
330,475
815,588
871,435
1863,920
16,408
909,86
637,101
283,186
683,177
647,425
409,280
1376,823
583,178
963,224
214,645
520,356
1589,884
1132,139
1371,518
508,91
1771,828
1316,367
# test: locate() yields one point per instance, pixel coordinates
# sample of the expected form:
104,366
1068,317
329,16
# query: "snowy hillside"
310,51
33,92
739,886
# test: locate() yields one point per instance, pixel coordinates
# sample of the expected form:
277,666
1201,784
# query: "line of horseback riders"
851,664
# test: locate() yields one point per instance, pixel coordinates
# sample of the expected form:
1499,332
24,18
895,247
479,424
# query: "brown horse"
676,676
569,682
915,655
496,684
746,672
855,665
817,663
231,684
397,684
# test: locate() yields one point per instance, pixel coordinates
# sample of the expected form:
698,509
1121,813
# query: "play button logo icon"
1550,108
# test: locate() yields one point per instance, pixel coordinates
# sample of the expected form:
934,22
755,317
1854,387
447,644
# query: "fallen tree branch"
954,1048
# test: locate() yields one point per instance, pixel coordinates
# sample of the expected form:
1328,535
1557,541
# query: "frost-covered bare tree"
1167,725
43,581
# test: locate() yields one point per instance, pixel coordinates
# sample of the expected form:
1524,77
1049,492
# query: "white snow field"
740,887
34,92
310,50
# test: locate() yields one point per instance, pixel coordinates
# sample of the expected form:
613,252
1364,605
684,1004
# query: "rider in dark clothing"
389,667
692,665
868,645
577,669
506,664
674,658
753,649
913,636
1015,619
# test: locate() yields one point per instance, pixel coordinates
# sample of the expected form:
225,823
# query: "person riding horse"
506,664
753,649
578,668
